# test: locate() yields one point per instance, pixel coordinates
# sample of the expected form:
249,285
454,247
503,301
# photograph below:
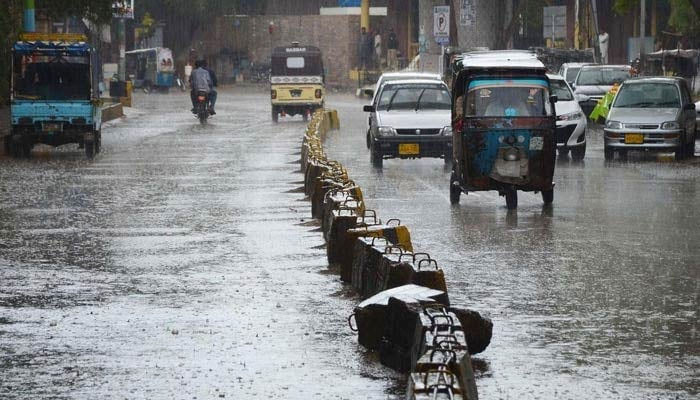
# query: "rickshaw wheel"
455,192
548,196
511,199
275,115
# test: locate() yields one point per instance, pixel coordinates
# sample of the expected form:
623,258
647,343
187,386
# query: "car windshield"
414,97
571,73
561,90
508,98
648,95
601,76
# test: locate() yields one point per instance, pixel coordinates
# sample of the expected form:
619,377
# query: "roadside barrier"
406,316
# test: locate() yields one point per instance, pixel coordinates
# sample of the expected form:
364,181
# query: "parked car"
410,119
594,81
394,76
571,122
653,113
570,70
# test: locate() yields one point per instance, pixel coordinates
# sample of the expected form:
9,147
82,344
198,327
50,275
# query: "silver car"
651,114
570,70
410,119
594,81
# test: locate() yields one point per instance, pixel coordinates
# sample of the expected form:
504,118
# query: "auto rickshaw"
503,124
296,81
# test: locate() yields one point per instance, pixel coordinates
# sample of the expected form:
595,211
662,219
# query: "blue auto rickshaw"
54,96
152,68
503,125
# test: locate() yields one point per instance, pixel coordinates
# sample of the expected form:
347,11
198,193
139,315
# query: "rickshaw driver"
505,103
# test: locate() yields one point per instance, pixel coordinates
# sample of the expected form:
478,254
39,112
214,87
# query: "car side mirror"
368,108
689,106
369,92
554,98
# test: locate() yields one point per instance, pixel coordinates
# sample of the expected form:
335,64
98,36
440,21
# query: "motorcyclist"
213,94
200,81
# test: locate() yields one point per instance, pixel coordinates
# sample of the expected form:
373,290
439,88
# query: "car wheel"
369,140
511,199
578,153
680,152
376,157
690,153
89,149
608,153
563,152
548,196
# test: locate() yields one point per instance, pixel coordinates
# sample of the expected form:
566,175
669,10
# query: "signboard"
441,24
123,9
467,12
554,22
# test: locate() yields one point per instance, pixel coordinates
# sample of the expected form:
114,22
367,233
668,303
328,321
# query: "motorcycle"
201,107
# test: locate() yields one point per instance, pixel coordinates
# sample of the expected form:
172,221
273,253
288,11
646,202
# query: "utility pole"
642,26
29,16
121,37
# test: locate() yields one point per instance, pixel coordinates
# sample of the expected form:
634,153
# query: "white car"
411,119
571,121
394,76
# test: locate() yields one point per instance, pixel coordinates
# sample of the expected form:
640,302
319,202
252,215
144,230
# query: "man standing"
200,81
378,49
603,42
392,45
362,49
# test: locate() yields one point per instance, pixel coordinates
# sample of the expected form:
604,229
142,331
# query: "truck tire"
89,148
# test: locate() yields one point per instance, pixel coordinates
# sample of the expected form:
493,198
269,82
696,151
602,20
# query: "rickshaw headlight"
511,154
446,131
613,125
319,93
386,131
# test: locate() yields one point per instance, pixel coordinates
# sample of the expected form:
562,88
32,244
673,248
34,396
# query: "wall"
336,36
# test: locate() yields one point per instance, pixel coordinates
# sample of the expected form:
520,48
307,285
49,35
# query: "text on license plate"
409,149
634,138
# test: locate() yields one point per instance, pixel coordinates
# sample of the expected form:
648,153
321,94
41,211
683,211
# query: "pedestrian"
603,42
188,73
392,45
378,49
362,49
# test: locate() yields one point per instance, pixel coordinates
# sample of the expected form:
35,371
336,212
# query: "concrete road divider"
406,315
370,315
112,111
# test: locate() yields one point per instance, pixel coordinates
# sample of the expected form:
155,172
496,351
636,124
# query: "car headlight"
670,125
446,131
576,115
613,125
386,131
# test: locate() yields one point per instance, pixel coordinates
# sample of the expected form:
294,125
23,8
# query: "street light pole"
642,26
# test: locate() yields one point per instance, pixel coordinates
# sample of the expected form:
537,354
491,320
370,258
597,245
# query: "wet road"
180,263
597,297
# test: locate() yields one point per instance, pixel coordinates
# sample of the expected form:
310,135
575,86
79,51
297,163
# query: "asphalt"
182,263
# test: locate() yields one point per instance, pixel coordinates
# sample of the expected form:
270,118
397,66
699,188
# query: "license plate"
295,93
634,138
53,127
409,149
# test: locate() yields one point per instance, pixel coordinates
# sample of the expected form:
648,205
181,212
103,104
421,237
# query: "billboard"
123,9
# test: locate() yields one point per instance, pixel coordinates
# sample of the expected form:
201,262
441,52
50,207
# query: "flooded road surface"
595,298
180,263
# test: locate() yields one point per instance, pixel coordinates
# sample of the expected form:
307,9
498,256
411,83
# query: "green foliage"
97,10
684,18
622,7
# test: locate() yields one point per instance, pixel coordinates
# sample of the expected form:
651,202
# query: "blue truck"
54,96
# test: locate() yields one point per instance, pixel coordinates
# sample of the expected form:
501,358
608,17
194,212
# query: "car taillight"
201,98
273,94
318,93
